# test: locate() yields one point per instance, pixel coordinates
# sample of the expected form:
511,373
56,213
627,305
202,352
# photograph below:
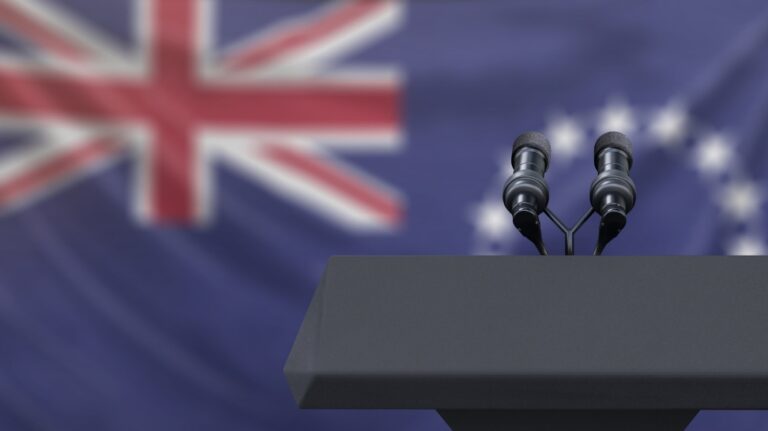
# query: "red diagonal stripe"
351,188
304,34
45,173
37,33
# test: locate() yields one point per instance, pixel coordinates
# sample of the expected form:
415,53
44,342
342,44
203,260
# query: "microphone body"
613,192
526,194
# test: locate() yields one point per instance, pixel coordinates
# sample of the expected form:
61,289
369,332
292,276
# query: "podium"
537,343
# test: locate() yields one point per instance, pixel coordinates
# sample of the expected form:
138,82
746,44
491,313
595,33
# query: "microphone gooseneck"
526,194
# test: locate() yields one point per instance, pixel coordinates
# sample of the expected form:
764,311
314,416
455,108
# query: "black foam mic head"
535,140
613,140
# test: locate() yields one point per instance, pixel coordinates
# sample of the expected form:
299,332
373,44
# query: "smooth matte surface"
567,420
509,332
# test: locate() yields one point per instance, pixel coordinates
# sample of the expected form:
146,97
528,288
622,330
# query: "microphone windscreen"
533,140
613,140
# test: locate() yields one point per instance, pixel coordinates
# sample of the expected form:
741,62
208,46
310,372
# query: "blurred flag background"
175,173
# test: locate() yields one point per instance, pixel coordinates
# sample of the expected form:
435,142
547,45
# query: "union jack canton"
274,106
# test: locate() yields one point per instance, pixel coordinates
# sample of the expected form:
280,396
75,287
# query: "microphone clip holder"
606,233
569,233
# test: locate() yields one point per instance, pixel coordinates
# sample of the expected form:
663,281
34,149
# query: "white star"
617,116
492,220
713,154
505,167
487,250
741,200
566,137
747,246
669,124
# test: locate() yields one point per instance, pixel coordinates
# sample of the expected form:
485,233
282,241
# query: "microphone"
526,194
612,192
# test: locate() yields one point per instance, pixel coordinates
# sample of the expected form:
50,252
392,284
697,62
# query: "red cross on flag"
275,106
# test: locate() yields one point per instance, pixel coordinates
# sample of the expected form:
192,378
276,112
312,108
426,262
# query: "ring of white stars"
712,155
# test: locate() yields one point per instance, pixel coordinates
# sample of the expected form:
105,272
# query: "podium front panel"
504,332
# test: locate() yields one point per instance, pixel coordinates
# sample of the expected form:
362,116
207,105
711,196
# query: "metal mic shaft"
613,192
526,194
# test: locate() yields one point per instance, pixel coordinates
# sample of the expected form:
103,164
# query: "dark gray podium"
537,343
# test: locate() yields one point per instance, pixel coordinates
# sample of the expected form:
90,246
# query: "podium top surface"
506,332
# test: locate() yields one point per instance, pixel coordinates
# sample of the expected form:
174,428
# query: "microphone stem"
569,232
